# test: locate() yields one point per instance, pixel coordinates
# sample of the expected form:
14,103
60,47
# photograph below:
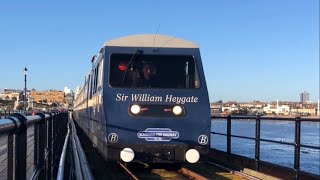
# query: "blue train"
145,99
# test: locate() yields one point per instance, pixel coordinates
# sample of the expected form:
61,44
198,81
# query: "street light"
25,88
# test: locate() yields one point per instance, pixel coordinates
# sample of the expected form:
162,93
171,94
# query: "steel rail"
128,171
191,174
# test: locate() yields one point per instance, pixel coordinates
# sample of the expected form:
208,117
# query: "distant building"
216,108
76,91
69,99
48,97
7,91
66,90
304,111
13,94
262,108
276,109
304,97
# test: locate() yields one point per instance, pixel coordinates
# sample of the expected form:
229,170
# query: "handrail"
82,168
15,126
77,166
7,126
296,144
63,157
6,113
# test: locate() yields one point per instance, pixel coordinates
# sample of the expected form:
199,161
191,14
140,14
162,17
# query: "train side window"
94,81
96,78
100,66
85,89
89,87
91,83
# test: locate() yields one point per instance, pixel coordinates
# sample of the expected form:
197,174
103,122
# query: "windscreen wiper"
138,51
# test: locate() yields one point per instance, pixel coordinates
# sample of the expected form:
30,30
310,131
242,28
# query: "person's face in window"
146,72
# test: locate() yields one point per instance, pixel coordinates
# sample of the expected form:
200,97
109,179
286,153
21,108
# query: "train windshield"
153,71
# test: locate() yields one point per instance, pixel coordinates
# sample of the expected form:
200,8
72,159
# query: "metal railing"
61,170
6,113
48,128
296,144
79,166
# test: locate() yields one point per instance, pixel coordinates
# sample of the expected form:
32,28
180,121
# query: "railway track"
145,171
217,171
115,170
201,171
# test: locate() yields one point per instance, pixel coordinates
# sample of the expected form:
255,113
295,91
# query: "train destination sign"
155,98
158,134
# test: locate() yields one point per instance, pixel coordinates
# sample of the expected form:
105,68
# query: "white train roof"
151,40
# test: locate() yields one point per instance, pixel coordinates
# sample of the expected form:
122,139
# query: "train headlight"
177,110
192,156
127,155
135,109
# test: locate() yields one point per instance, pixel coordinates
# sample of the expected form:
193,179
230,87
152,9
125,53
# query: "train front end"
156,101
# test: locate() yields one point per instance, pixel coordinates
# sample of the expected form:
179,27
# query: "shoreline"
291,116
274,116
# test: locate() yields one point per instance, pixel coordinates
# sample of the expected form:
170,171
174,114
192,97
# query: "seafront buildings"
50,96
265,108
12,99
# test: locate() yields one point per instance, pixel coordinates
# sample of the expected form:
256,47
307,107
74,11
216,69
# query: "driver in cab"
147,78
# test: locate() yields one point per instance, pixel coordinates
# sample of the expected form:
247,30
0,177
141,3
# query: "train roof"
151,40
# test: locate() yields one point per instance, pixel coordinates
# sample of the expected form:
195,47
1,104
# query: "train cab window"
153,71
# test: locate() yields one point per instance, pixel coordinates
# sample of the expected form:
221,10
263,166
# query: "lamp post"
25,88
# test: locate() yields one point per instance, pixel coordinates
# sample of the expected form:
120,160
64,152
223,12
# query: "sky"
251,50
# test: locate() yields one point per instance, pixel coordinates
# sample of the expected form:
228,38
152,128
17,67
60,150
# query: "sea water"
283,131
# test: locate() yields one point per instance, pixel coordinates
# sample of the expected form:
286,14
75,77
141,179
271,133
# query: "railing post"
42,136
54,144
257,143
52,116
229,138
35,145
60,132
48,147
19,149
297,148
10,161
